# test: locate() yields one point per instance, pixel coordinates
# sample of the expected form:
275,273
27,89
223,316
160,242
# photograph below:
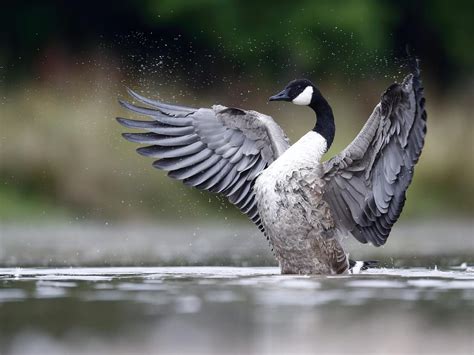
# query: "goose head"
299,92
303,92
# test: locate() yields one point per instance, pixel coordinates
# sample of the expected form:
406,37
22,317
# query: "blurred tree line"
315,36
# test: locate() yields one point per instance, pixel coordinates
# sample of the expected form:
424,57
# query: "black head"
303,92
299,92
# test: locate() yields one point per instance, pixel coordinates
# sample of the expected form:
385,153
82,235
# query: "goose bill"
281,96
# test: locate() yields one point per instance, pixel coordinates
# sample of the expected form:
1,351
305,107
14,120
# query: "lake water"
236,310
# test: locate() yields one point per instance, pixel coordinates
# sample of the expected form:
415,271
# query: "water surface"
234,310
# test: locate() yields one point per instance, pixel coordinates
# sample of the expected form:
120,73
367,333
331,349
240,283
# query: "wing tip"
138,97
127,136
136,137
148,151
122,103
129,91
122,121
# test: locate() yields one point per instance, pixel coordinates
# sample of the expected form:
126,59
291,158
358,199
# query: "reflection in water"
234,310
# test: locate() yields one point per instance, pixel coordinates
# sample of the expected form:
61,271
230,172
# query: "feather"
187,172
160,105
206,175
242,180
225,183
137,124
242,193
153,138
158,115
209,185
171,152
172,131
175,164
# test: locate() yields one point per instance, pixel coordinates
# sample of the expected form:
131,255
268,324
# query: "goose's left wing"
366,182
217,149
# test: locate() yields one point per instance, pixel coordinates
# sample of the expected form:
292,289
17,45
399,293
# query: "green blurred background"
64,64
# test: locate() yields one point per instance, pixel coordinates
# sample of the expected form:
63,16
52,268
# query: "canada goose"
302,205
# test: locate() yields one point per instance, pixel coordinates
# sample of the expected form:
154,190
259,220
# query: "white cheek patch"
304,98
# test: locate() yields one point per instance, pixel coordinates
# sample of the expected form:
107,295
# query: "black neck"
324,118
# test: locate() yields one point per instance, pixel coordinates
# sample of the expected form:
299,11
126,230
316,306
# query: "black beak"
281,96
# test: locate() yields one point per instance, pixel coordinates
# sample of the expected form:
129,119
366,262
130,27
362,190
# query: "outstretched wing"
367,181
219,149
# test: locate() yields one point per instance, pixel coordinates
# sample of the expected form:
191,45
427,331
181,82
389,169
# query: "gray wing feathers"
160,116
219,149
172,110
366,183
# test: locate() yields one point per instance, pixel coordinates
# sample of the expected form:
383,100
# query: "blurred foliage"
265,32
63,64
320,37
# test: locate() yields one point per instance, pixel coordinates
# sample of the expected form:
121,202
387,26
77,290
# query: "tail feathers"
356,267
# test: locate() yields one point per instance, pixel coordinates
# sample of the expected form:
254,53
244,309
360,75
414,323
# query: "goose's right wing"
221,149
367,181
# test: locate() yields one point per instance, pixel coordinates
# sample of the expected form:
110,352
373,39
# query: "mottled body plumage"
296,219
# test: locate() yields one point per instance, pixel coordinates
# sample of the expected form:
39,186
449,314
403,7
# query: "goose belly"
297,221
290,204
288,192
